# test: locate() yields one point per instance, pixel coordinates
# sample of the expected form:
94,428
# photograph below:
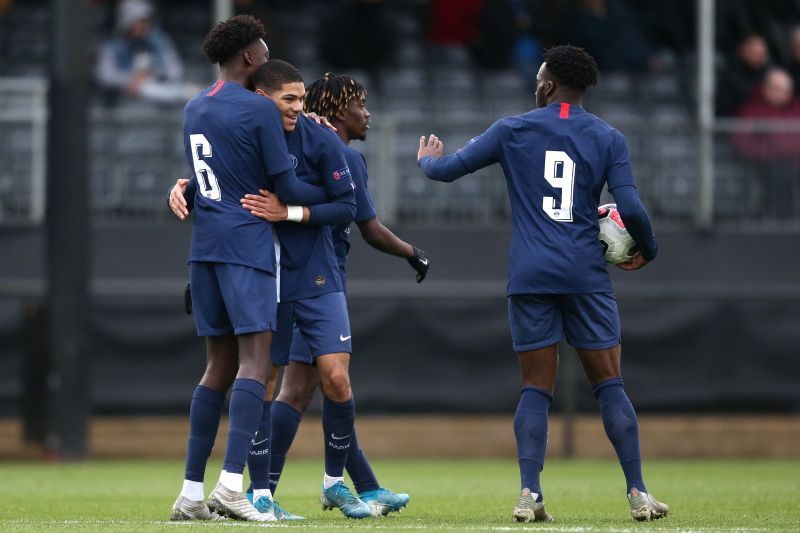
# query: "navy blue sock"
258,461
622,428
204,415
285,421
530,428
338,419
358,468
247,403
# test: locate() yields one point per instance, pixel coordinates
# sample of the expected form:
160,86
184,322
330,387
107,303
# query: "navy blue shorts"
232,299
311,327
589,321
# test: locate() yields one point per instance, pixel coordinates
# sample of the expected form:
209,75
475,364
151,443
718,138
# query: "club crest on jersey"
293,159
341,173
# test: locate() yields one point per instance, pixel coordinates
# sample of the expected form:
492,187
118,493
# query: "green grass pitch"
457,495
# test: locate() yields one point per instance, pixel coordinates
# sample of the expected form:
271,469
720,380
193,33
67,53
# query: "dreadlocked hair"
330,94
571,65
228,37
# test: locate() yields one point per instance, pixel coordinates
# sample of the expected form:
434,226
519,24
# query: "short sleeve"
336,174
620,172
365,208
483,150
268,129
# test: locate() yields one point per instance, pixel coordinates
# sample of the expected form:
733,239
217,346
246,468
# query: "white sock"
193,490
231,481
262,493
330,481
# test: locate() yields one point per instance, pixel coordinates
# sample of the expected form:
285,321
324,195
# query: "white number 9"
559,171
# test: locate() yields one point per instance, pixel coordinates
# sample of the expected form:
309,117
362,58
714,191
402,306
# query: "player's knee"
297,397
337,385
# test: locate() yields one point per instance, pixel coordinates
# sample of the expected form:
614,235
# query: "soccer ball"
618,245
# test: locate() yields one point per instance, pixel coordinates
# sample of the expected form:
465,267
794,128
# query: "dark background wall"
712,325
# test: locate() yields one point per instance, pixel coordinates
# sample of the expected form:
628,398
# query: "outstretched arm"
436,166
383,239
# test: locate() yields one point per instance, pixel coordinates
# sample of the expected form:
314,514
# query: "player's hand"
187,299
176,200
322,121
635,263
266,206
419,263
433,147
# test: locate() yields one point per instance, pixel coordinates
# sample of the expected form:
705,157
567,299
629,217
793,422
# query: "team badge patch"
320,281
341,173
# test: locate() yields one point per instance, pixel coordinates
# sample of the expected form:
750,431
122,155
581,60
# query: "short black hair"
330,94
228,37
572,66
273,74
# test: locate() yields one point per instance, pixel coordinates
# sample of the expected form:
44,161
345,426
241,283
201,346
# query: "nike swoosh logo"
334,437
343,338
424,261
260,442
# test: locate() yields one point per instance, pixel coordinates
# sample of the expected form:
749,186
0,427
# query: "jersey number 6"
206,180
559,171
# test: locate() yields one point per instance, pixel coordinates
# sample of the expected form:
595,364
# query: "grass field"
458,495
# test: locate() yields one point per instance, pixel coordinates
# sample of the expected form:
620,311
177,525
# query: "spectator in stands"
612,35
743,74
773,155
140,59
794,62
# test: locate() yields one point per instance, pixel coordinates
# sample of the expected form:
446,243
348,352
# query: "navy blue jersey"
556,160
365,207
309,266
234,141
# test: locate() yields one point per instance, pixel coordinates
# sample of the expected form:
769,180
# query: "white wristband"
294,213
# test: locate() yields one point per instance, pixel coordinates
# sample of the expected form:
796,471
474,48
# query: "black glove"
419,263
187,299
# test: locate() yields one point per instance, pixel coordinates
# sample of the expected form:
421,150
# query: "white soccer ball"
618,245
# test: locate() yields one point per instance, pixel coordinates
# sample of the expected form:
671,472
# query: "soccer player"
311,289
231,259
342,100
556,160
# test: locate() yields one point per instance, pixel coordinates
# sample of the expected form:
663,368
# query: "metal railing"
137,153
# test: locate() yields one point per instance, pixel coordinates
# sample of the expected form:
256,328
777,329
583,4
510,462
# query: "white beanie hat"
129,12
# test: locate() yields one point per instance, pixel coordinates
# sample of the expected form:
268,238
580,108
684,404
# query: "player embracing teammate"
556,160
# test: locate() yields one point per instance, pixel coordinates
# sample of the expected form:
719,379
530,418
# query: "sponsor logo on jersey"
341,173
474,140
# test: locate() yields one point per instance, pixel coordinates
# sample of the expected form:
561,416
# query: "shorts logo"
320,281
293,159
341,173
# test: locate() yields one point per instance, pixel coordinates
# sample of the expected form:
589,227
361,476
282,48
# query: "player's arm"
337,180
638,224
372,231
269,136
180,197
267,206
383,239
480,152
631,210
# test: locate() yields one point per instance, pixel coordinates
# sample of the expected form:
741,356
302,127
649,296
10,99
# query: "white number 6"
207,182
559,171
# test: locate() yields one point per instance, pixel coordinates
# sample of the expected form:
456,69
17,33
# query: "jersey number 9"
559,171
